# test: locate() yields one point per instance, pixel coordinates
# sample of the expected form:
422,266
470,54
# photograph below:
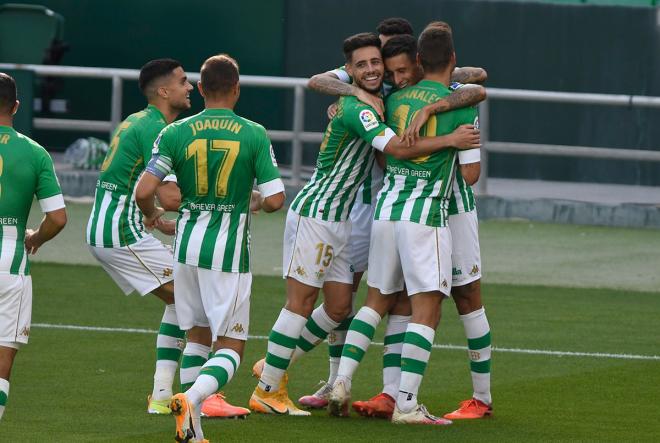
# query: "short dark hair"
435,47
358,41
7,93
400,44
219,75
395,26
154,70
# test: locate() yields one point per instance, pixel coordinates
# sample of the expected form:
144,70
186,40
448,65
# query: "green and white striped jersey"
418,190
345,160
461,198
26,170
216,156
116,220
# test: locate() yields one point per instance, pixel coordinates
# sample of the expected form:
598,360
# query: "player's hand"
255,202
332,111
411,134
371,100
150,222
32,243
466,137
167,227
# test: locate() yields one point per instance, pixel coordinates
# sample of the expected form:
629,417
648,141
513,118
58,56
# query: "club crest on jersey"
368,120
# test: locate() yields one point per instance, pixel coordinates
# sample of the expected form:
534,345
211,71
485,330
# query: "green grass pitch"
91,386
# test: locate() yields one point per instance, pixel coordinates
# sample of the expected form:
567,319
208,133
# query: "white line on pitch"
463,348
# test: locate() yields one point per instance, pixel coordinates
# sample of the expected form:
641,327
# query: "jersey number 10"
199,149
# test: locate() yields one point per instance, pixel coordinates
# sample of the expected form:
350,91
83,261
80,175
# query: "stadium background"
575,309
599,46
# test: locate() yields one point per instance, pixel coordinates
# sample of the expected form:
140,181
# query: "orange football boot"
381,406
470,409
217,406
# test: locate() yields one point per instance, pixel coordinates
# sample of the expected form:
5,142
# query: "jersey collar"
153,108
433,84
217,111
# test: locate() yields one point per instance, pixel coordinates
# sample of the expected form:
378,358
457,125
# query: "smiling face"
177,89
367,69
403,71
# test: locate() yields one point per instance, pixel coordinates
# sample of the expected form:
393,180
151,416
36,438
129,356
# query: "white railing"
297,135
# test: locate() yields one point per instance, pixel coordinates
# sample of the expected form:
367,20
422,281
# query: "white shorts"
141,267
465,254
15,309
316,251
215,299
411,253
362,216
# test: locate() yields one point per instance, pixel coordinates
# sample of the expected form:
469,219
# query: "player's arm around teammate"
26,171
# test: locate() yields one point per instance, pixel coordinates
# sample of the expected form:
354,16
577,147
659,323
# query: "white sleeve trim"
170,178
380,141
469,156
271,188
51,204
342,75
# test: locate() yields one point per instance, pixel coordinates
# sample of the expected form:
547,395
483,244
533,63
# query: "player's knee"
467,297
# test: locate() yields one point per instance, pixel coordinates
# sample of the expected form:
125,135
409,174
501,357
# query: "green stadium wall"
574,48
526,45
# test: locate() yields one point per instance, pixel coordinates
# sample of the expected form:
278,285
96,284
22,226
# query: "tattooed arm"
329,83
467,95
469,74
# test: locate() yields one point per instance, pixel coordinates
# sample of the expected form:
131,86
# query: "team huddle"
390,193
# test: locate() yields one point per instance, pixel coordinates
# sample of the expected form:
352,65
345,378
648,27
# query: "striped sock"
168,351
317,328
415,355
360,333
477,332
394,335
281,344
214,375
4,393
336,340
195,356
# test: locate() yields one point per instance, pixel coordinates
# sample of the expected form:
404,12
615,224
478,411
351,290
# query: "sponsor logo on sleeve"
368,120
